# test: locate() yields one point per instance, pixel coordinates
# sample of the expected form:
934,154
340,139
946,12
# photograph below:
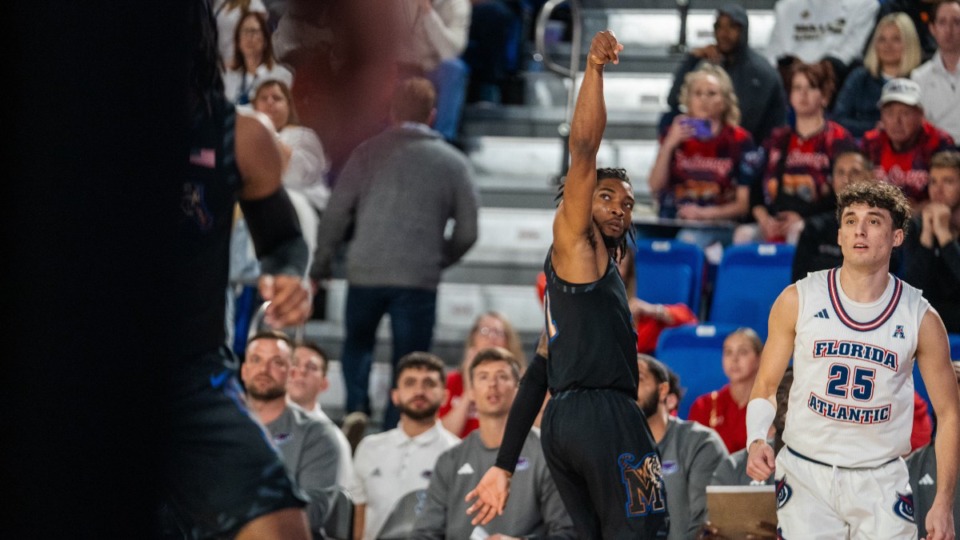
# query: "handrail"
257,320
569,72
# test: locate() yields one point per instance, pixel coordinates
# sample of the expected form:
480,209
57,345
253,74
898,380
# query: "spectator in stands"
815,30
391,464
534,506
757,85
699,171
491,329
436,32
894,51
306,163
817,248
901,149
495,27
732,471
931,248
397,192
308,447
796,162
689,452
228,13
922,468
307,380
253,61
939,78
920,13
725,410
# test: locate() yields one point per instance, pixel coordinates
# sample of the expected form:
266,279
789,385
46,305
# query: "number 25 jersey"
851,403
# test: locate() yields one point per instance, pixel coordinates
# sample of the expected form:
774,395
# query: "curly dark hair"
877,195
604,173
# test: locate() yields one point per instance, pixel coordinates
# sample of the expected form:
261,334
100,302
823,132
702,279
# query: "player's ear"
395,397
898,237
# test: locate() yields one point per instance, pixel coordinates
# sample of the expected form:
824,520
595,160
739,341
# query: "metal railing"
570,72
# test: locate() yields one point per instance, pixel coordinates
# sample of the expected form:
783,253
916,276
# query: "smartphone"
701,127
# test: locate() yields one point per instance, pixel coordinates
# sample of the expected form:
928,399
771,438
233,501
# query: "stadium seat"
749,279
400,522
695,352
955,347
339,525
669,272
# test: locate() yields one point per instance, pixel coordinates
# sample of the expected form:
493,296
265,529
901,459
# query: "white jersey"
851,403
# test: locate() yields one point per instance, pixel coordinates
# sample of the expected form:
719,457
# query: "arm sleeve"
533,389
708,454
431,522
339,215
446,28
465,223
276,234
317,473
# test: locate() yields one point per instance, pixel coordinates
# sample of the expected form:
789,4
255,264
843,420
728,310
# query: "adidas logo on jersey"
465,469
926,480
822,314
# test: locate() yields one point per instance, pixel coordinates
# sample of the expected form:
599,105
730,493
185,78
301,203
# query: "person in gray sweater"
534,509
396,194
308,447
689,451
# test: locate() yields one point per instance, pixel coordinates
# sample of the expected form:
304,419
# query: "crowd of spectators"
754,148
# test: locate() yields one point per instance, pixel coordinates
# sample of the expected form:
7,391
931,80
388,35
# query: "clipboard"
739,510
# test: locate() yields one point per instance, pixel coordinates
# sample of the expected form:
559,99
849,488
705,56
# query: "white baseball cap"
901,91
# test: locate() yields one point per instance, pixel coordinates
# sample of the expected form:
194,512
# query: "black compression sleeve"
533,388
276,234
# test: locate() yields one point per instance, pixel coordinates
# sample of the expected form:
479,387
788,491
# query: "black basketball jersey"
209,194
592,340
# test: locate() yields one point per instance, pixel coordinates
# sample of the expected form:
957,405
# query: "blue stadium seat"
918,383
749,279
669,272
695,353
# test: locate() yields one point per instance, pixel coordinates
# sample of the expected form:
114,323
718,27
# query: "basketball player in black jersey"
595,437
223,476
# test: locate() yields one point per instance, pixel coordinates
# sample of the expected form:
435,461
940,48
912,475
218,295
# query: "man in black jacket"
756,83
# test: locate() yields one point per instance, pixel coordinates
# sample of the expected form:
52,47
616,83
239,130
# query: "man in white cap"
901,149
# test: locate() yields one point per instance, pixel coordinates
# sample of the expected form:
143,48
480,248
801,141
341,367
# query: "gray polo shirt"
534,509
689,454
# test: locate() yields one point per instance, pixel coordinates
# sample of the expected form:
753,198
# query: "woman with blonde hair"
491,329
698,173
894,52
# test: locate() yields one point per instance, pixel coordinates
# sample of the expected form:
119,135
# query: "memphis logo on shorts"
643,481
784,491
904,506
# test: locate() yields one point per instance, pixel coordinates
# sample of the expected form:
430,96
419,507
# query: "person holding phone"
700,172
796,162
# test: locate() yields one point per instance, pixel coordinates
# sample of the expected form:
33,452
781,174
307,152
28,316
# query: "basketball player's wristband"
276,234
526,407
760,415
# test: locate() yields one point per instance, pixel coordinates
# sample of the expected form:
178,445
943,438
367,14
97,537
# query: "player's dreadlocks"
627,240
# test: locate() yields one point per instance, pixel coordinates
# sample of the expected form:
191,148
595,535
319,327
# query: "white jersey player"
853,333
